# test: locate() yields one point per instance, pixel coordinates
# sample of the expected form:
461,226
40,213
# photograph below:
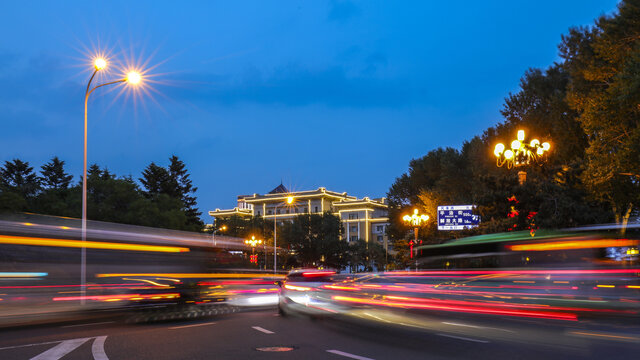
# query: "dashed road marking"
475,327
91,324
346,354
262,330
26,345
463,338
193,325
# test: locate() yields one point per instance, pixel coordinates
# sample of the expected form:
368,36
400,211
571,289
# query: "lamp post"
275,223
222,228
133,78
414,220
521,153
253,242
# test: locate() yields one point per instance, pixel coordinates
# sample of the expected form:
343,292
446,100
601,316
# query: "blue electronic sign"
457,217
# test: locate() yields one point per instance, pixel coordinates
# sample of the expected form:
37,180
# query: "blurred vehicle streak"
140,270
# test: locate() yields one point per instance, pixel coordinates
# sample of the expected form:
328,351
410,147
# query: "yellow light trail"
19,240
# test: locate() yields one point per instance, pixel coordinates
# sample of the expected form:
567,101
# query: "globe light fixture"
253,242
100,63
133,77
416,221
521,153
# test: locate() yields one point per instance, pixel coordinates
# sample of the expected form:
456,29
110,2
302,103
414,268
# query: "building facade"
364,218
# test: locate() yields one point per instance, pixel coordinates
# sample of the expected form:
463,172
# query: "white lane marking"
346,354
60,350
462,338
476,327
188,326
98,323
42,343
97,349
262,330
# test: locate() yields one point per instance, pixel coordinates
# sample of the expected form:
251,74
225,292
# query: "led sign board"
457,217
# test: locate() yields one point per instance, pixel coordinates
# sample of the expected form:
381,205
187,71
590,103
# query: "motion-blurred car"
301,292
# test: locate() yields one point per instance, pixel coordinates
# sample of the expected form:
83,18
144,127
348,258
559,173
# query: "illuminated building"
363,218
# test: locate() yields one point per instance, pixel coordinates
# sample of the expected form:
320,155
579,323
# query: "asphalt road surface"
266,335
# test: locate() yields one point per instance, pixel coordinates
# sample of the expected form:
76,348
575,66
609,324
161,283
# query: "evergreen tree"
184,191
156,180
54,176
18,177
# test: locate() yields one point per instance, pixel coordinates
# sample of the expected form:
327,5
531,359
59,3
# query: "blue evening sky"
340,94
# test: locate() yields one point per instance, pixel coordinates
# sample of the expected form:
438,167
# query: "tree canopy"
166,199
587,106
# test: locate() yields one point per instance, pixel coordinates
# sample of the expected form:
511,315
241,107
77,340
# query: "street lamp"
521,153
133,78
275,222
416,221
222,228
253,242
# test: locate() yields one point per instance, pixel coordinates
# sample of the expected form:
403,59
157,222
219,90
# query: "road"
259,334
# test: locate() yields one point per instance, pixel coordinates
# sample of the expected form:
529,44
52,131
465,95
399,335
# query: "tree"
184,190
56,197
18,177
54,176
604,88
156,180
368,256
315,239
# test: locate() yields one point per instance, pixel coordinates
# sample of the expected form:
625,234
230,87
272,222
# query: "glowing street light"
289,201
132,78
100,63
253,243
520,153
416,221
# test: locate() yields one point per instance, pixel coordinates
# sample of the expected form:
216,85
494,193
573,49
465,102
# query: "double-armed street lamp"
416,221
222,228
275,223
521,153
253,242
132,78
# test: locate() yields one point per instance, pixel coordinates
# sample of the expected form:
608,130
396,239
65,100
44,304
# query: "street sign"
457,217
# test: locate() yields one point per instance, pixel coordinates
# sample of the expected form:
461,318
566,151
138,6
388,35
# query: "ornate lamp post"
416,221
521,153
253,242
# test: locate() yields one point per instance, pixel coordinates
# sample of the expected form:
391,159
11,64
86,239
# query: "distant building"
364,218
